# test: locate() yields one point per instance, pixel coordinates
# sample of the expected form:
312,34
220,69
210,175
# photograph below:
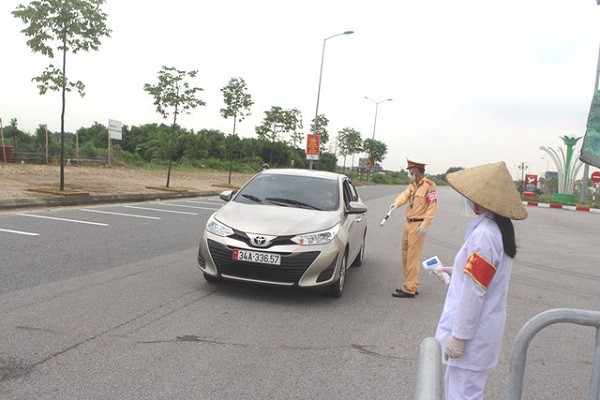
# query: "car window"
291,191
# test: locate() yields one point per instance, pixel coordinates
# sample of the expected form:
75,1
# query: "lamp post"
376,107
320,79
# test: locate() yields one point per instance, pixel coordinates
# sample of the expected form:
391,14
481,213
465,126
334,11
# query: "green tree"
66,26
237,105
294,117
318,126
376,150
276,121
173,94
349,142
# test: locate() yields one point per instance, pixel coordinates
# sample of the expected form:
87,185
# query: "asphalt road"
105,302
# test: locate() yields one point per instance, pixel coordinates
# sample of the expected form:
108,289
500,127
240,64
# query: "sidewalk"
560,206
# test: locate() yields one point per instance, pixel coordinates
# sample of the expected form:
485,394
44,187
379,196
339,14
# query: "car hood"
275,220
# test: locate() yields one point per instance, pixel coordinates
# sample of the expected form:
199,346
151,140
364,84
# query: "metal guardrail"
429,376
532,327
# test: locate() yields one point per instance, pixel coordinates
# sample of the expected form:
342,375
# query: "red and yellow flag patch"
480,269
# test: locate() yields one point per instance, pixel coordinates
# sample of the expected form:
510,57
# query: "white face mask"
467,208
411,175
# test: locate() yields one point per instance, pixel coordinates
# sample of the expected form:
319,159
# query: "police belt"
414,219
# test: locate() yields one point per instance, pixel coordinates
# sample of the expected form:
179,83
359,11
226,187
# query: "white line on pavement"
19,232
182,205
122,214
63,219
205,202
158,209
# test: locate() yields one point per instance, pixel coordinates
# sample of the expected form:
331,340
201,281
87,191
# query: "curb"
560,206
103,199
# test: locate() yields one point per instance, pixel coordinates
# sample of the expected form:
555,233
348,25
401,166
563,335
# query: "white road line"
19,232
205,202
63,219
122,214
158,209
182,205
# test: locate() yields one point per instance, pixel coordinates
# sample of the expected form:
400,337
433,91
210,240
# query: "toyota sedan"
287,227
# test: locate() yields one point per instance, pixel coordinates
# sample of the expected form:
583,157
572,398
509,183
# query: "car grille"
290,271
279,240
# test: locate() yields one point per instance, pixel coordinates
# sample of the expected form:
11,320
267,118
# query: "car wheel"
361,255
212,278
337,288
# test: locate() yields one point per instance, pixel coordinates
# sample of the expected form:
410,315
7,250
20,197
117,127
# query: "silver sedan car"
287,227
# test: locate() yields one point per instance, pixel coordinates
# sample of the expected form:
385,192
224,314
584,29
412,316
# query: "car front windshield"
291,191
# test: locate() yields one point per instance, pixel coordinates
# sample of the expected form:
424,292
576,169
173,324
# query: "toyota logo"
259,240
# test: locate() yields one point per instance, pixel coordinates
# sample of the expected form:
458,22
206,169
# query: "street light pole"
320,79
376,107
375,121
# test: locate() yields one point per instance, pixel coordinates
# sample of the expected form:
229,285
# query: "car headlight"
214,226
323,237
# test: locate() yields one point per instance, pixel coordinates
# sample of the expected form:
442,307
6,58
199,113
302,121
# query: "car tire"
361,255
212,278
337,289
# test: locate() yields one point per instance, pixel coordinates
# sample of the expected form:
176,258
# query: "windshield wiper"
291,202
251,197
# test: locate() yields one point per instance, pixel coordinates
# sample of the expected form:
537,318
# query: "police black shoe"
403,294
400,290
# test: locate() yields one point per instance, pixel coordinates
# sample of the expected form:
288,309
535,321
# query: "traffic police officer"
421,201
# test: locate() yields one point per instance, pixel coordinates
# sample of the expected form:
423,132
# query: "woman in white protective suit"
472,323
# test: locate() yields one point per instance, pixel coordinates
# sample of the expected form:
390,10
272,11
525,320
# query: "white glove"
392,206
454,348
421,230
440,268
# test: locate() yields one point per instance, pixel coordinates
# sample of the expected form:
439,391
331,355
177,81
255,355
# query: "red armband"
431,196
480,269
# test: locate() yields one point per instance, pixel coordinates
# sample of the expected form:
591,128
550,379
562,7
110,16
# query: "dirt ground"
16,180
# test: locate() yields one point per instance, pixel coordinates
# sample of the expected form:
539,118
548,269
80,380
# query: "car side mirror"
356,207
226,195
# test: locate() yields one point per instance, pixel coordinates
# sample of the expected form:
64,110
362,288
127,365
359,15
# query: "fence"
429,377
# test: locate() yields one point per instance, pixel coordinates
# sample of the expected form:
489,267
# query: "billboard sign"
313,144
114,129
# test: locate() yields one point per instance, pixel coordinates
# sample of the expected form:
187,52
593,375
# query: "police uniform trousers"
466,384
412,248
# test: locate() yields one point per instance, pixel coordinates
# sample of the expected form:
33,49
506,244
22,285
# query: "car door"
355,223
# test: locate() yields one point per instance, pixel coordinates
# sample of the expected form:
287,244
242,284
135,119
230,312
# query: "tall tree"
376,150
237,105
66,26
349,142
319,126
294,117
276,121
173,94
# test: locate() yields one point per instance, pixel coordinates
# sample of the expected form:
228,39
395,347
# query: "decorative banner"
531,182
590,150
313,143
114,129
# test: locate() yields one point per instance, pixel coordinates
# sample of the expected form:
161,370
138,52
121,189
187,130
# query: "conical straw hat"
490,186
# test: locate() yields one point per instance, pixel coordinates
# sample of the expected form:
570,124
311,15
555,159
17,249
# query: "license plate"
256,257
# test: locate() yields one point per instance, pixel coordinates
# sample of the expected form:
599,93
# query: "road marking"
122,214
19,232
63,219
182,205
158,209
205,202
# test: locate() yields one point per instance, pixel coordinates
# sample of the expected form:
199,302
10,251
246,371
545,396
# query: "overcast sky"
472,81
